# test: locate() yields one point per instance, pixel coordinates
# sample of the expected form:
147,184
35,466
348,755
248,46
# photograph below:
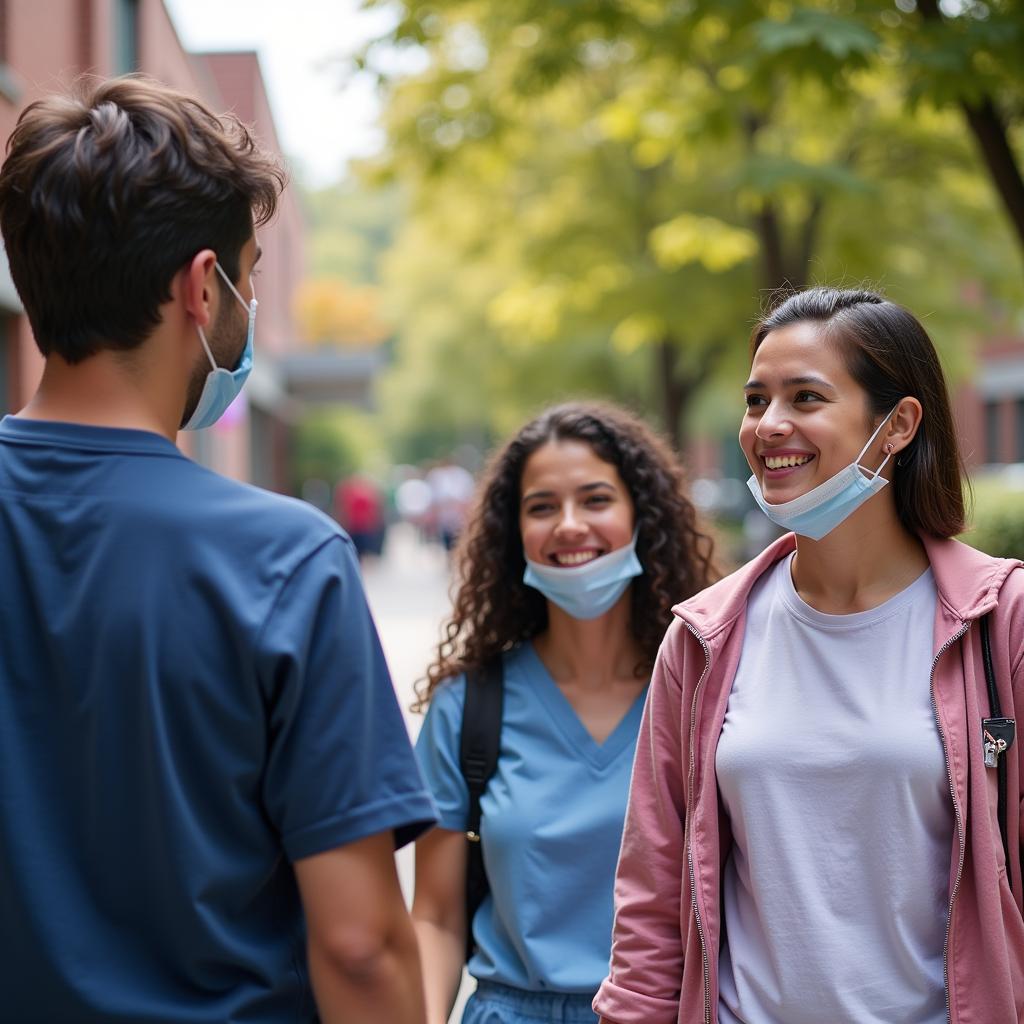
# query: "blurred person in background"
413,505
359,507
451,488
815,828
203,768
581,539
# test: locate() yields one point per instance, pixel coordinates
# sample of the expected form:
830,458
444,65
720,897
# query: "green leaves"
596,182
807,31
689,238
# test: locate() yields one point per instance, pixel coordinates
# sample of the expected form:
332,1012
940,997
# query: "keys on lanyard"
998,734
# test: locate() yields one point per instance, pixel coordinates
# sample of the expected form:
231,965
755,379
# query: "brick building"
44,45
990,410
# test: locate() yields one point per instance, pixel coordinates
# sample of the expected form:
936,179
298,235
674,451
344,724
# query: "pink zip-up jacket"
667,933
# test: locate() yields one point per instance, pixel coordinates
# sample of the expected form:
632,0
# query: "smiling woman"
798,441
581,540
814,829
576,521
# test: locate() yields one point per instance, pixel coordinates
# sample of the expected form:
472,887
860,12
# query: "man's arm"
363,959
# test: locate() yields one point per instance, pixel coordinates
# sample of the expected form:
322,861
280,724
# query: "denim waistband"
550,1007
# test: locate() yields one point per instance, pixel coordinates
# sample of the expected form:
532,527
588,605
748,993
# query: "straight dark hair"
889,354
108,192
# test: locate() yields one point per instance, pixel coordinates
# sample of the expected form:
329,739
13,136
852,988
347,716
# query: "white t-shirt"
831,769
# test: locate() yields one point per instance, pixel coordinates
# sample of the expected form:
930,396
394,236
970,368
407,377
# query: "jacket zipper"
956,811
952,792
689,807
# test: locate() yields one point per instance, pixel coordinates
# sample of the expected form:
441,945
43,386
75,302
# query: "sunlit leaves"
333,311
614,176
706,240
638,330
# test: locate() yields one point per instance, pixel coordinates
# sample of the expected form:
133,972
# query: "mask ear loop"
206,346
252,303
888,448
250,306
227,280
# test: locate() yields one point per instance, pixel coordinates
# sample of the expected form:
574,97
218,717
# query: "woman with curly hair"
581,540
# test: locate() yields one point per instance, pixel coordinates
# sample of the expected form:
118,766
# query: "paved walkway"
408,593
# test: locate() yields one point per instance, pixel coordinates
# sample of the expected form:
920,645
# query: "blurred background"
496,205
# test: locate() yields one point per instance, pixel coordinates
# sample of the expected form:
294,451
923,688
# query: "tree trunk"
808,240
786,268
669,389
989,130
676,386
773,260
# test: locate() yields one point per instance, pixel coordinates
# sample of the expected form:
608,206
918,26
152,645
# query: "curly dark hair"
494,610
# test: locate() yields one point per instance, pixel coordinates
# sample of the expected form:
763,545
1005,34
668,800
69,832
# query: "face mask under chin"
587,591
820,510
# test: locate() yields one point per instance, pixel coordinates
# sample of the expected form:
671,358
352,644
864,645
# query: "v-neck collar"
600,755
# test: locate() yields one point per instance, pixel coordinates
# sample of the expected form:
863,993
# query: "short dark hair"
494,609
107,192
889,354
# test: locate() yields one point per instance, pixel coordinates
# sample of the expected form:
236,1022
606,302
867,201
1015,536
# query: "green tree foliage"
598,183
333,443
998,517
351,226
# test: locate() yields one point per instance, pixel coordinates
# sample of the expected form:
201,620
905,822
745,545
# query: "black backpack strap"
479,745
997,735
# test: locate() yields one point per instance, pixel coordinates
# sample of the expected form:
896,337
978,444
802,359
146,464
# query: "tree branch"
989,130
990,133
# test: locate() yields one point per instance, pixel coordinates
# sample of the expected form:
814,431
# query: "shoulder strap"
479,744
1000,728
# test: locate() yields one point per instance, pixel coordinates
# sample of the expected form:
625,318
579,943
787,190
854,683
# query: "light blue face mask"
823,508
222,386
589,590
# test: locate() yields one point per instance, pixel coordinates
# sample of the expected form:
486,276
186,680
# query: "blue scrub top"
551,828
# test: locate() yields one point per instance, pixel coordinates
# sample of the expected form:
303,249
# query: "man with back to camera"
198,735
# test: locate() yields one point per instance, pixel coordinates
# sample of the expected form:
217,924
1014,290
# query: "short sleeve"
339,765
437,749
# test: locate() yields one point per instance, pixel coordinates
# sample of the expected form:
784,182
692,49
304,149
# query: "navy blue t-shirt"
192,695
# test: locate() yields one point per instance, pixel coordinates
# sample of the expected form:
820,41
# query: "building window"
126,36
993,448
1019,429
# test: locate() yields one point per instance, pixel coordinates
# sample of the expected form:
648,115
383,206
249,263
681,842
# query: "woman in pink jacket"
813,831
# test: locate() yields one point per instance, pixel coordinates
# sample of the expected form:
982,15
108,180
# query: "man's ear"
199,286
